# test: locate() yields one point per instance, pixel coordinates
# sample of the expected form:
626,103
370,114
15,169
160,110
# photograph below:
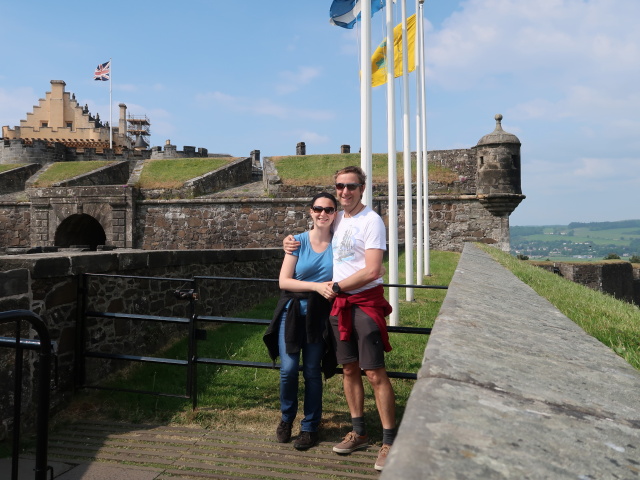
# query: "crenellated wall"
41,152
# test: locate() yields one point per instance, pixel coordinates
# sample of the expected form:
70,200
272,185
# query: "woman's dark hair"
324,195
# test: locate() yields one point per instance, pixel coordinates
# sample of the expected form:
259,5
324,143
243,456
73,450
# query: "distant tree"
635,259
612,256
522,257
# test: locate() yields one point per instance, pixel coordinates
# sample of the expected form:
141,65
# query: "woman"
301,323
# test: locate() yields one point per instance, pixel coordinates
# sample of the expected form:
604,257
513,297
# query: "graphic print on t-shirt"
346,249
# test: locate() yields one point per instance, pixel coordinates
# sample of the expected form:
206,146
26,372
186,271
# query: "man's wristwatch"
336,287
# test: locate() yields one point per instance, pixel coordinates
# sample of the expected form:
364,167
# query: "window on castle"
44,124
70,125
515,160
481,161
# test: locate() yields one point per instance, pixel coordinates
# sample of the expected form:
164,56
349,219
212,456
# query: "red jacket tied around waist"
372,303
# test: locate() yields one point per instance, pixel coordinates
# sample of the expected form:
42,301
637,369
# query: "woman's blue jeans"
311,371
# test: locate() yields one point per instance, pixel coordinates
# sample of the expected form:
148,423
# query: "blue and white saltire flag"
345,13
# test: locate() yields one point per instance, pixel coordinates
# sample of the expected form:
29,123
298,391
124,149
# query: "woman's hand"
290,244
325,289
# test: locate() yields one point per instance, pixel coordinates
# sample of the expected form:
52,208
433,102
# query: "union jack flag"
103,71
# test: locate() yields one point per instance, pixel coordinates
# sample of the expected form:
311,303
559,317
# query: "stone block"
62,294
48,267
14,282
94,263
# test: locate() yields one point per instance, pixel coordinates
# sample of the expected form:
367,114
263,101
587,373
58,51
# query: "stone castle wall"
47,284
15,220
15,180
619,279
171,151
39,151
253,223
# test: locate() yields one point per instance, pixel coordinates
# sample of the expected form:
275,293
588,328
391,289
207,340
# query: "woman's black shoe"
283,432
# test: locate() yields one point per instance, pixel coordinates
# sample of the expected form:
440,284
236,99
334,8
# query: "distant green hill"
577,241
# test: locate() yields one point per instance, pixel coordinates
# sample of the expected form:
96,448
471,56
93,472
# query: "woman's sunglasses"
350,186
319,209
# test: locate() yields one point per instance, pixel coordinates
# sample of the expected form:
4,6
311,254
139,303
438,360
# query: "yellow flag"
379,57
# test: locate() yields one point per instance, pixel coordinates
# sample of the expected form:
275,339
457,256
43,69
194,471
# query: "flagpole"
365,101
419,230
425,157
408,194
110,107
393,172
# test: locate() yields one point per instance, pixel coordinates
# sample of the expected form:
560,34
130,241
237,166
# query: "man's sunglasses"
319,209
350,186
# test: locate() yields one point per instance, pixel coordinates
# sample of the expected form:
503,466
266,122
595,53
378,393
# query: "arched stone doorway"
80,229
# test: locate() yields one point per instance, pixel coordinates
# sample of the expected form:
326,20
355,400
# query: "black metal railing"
190,294
46,349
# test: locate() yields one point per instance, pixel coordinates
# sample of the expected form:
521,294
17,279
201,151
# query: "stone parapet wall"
457,219
47,284
615,278
214,223
16,151
253,223
15,223
39,151
171,151
511,388
15,180
460,161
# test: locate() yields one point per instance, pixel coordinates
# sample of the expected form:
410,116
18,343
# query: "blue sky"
243,75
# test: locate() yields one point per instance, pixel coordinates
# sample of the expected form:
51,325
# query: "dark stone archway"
80,229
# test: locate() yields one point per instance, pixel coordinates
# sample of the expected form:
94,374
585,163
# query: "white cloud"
547,40
292,81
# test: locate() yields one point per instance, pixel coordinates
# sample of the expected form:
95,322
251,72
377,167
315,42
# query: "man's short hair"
362,177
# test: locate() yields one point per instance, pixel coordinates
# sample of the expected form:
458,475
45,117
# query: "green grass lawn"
9,166
173,173
60,171
319,169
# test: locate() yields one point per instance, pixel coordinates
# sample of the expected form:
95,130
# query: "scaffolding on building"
138,130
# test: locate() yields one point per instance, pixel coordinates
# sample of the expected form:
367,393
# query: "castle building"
58,118
471,196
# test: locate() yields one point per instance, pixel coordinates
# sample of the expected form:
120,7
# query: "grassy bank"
9,166
173,173
60,171
613,322
319,169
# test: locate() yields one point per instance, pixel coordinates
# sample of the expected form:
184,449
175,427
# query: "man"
358,312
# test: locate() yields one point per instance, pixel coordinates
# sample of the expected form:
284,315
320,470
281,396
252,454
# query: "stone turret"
499,171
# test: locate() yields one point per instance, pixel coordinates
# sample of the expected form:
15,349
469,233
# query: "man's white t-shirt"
352,236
